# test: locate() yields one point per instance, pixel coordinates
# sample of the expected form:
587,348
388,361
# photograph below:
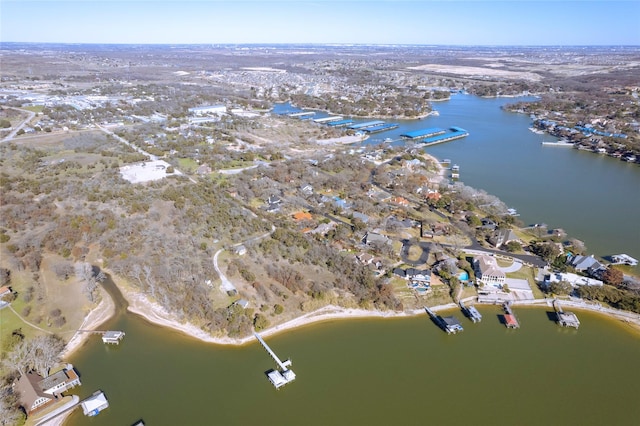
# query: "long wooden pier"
280,377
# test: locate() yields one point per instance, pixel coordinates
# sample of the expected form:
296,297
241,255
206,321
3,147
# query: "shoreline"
155,314
97,316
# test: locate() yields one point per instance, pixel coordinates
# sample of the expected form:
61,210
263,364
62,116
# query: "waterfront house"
488,272
585,263
36,392
502,237
59,382
32,398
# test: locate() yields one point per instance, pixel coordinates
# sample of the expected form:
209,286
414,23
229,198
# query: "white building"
208,109
574,279
488,272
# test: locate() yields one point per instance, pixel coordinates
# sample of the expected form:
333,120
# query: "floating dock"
435,135
423,133
328,119
280,377
471,312
340,123
380,128
455,133
510,320
449,324
93,405
362,126
565,319
302,114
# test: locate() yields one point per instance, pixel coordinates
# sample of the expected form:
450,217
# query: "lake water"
593,197
373,372
406,371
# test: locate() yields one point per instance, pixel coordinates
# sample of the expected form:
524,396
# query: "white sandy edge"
154,313
95,317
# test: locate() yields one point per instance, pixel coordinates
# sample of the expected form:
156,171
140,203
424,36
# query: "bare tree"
10,414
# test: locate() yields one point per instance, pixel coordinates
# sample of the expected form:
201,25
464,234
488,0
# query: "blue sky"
450,22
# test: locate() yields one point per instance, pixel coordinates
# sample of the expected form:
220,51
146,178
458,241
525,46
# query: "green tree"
560,288
260,322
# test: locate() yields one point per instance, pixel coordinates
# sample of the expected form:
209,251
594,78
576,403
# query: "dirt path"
27,322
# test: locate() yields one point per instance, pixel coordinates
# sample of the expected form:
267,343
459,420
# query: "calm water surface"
373,372
406,371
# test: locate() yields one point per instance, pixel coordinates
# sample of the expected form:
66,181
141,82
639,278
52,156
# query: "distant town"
174,177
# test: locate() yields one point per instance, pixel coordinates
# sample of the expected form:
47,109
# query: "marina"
366,124
449,325
380,128
278,378
301,114
565,319
327,120
470,312
340,123
423,133
435,135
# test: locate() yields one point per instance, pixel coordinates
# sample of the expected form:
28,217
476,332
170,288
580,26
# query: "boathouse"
112,337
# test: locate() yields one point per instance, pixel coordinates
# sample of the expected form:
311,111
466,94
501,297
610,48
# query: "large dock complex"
280,377
435,135
340,123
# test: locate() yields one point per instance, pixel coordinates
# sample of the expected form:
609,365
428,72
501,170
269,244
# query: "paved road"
13,133
226,284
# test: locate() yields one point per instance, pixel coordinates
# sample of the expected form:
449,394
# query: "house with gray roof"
502,237
584,263
372,238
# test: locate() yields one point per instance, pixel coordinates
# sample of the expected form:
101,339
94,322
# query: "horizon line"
309,44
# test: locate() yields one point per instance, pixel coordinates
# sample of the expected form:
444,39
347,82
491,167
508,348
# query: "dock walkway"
510,320
449,324
280,377
565,319
471,312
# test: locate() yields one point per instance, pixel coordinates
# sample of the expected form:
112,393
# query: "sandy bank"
155,314
93,320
